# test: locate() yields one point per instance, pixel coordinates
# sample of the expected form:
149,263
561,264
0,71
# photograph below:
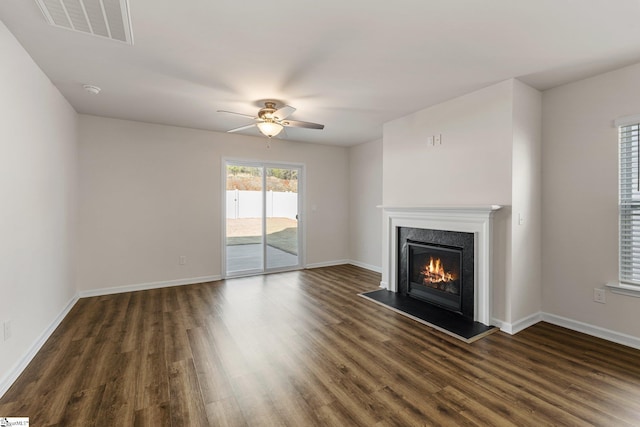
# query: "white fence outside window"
248,204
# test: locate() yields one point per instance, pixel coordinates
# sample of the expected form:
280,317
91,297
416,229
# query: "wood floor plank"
82,408
231,356
118,401
302,349
176,347
303,378
153,416
186,404
212,376
152,380
225,413
287,400
482,406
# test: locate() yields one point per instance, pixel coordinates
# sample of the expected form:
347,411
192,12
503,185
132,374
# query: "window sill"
624,289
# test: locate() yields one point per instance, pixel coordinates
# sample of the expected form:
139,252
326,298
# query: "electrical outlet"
430,140
437,140
7,330
599,295
182,260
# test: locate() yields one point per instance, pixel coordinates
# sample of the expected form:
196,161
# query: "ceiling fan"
270,120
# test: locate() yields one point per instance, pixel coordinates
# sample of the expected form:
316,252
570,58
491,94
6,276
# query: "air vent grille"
103,18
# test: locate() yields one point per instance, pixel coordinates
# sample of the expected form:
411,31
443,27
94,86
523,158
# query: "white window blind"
629,203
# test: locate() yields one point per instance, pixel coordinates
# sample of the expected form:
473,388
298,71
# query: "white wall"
525,280
151,193
38,199
365,218
580,198
471,167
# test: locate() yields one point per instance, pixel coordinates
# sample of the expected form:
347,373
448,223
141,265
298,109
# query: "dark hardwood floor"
302,349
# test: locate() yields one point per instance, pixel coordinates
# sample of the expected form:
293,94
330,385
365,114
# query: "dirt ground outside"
282,233
243,227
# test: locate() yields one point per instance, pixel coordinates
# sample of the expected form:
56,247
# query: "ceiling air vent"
103,18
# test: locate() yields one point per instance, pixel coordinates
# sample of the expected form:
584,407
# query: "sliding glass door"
262,221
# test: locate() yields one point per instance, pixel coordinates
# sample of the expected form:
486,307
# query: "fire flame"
434,272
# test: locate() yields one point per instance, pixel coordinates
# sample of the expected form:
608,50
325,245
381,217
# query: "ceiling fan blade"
239,114
283,134
298,124
284,112
241,128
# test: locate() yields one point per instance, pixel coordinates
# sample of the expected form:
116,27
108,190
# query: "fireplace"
437,267
475,220
434,274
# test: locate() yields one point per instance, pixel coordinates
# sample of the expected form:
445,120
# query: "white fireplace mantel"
468,219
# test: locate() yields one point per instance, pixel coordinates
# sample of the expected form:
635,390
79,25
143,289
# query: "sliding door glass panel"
282,217
244,219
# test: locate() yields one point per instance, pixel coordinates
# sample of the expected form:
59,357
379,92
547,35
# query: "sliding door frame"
226,161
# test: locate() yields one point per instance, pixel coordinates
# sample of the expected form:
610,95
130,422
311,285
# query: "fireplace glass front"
435,274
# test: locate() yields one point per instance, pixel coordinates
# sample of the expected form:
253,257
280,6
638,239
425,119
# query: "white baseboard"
520,325
501,325
327,263
366,266
345,261
574,325
9,378
592,330
147,286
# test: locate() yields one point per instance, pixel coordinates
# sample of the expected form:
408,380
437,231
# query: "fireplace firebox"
437,267
435,274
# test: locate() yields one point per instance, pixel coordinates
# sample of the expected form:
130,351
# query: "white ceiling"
350,64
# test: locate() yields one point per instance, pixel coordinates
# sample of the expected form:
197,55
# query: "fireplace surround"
437,267
473,220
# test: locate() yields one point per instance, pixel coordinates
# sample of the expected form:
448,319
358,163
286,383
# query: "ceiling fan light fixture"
269,128
270,120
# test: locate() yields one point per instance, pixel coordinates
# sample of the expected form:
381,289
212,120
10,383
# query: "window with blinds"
629,204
